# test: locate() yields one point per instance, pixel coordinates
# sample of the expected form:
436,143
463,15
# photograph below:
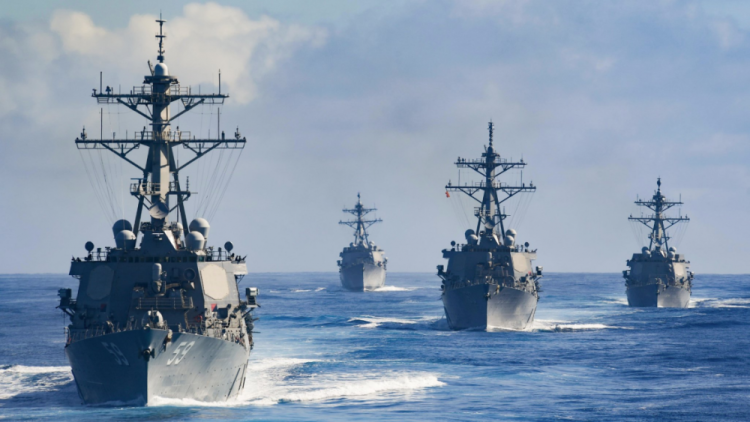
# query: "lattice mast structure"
152,100
491,166
658,222
360,225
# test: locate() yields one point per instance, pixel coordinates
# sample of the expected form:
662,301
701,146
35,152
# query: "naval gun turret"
363,264
658,275
162,317
489,282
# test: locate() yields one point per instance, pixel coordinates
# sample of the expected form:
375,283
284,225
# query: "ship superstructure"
163,318
658,276
363,264
489,282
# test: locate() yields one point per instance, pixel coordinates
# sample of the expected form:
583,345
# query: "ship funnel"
125,239
201,226
121,225
195,241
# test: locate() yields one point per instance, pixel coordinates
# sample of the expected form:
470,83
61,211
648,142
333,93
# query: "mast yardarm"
152,100
490,166
360,225
658,222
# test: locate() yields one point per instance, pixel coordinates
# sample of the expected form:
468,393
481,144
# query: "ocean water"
326,354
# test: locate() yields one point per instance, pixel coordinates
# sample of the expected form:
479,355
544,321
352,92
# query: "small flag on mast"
447,195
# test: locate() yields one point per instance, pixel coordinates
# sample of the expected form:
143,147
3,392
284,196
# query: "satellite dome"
672,249
201,226
670,255
125,239
161,69
644,249
195,241
509,240
511,232
121,225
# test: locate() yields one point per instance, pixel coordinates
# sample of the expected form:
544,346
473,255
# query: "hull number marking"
180,352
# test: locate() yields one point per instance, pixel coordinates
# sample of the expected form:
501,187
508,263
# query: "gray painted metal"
361,277
113,368
487,306
489,281
658,276
362,265
165,318
658,295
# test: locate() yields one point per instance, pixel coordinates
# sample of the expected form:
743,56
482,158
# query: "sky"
335,97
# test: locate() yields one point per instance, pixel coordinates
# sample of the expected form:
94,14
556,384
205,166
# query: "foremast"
152,100
360,225
490,166
658,222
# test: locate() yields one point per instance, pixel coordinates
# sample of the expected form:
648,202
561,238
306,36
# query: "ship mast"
152,101
490,166
658,222
360,225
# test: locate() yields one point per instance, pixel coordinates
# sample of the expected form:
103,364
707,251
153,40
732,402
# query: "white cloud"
204,39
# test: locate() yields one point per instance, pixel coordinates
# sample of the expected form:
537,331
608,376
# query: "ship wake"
541,325
24,384
285,380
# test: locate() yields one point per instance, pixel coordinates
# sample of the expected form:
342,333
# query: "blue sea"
326,354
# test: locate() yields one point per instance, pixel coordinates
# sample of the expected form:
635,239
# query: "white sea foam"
368,321
618,301
320,289
280,380
300,290
720,303
567,326
20,379
395,289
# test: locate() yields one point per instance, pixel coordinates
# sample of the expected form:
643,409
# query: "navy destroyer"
165,318
658,276
489,282
363,264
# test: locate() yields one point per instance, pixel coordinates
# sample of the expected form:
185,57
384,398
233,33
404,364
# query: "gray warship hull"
658,296
483,307
114,369
361,277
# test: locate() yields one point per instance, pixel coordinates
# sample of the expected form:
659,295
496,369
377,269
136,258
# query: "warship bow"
362,265
165,318
489,282
658,276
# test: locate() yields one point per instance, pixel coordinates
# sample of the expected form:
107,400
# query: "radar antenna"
360,225
152,101
658,222
161,35
490,166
